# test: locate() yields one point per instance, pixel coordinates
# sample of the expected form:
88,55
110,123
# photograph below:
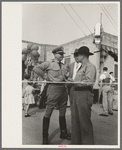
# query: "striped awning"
105,50
110,49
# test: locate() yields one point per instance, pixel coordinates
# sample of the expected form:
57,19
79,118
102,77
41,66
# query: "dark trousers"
56,94
43,98
81,125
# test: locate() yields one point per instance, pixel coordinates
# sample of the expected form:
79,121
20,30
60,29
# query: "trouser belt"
57,84
106,84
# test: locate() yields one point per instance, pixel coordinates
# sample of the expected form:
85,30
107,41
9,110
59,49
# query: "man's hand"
61,78
70,79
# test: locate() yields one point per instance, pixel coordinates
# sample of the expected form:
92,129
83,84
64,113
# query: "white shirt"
76,67
103,77
42,86
112,79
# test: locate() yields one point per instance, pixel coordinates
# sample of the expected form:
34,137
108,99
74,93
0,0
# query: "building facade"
108,45
105,53
43,49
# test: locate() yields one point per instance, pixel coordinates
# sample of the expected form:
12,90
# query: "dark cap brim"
75,53
91,53
60,52
83,53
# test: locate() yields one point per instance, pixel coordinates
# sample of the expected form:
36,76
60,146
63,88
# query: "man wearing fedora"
82,98
73,67
56,92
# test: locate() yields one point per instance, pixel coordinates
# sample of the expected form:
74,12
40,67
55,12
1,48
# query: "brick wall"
85,41
45,50
71,46
109,40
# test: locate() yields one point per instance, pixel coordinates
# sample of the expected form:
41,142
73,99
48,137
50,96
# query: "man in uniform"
107,92
56,92
82,130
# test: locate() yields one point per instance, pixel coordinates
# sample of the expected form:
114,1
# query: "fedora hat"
84,50
75,52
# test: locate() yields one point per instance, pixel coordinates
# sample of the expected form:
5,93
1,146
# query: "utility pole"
101,63
101,18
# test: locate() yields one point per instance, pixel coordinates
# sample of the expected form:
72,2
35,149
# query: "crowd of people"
107,87
75,80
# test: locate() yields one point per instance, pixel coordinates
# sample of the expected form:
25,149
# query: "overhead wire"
107,16
80,18
73,19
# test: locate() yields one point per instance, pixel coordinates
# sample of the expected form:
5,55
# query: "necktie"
59,64
76,66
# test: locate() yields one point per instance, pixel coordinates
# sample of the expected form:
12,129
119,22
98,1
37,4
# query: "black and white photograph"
69,64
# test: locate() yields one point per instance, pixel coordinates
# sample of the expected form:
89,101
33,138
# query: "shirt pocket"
81,75
54,72
65,71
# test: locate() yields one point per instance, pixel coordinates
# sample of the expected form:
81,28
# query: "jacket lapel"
79,68
72,69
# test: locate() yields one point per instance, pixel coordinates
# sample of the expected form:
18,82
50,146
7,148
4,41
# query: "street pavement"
105,128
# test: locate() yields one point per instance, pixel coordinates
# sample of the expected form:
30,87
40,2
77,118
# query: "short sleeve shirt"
52,69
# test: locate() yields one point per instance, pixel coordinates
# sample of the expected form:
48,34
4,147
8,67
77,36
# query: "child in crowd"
24,85
29,97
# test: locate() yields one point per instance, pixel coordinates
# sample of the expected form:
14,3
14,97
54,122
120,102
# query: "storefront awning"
111,51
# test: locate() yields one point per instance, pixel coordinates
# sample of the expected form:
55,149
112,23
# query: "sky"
57,23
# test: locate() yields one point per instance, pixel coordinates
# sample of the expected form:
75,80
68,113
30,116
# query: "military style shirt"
56,72
86,75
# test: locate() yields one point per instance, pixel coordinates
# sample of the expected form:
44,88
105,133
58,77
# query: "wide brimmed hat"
75,52
84,50
58,50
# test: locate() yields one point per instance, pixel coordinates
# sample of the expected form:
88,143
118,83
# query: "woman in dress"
29,97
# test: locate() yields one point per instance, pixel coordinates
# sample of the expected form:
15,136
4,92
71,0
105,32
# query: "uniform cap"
57,50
